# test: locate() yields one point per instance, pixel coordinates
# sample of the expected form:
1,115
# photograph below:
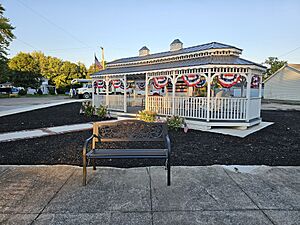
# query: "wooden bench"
128,131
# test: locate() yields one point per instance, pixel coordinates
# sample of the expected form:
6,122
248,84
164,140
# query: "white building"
284,84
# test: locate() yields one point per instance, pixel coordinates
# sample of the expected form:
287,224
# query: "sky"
75,29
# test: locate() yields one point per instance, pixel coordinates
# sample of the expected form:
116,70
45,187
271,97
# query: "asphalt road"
17,103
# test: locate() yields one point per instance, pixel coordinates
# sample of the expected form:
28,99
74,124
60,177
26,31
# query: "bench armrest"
87,142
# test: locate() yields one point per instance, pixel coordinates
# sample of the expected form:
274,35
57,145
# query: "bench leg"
84,170
168,172
94,164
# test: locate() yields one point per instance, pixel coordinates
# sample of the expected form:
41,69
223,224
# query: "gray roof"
212,45
210,60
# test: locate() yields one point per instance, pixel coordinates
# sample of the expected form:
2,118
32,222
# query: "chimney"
144,51
176,45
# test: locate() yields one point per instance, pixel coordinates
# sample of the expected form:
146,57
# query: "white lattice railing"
115,102
99,100
160,105
229,109
254,108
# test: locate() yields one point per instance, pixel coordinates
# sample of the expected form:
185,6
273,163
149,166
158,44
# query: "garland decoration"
191,80
228,80
160,82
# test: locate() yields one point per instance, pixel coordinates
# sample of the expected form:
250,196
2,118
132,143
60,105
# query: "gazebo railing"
115,102
221,108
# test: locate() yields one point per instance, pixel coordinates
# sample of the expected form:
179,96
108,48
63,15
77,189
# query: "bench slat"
98,153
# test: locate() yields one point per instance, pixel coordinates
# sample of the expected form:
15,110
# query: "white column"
125,93
146,92
208,95
248,93
260,87
93,94
173,92
107,91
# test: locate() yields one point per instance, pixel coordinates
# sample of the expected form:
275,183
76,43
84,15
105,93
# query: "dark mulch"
47,117
277,144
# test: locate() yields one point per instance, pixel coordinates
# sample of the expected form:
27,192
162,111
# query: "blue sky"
75,29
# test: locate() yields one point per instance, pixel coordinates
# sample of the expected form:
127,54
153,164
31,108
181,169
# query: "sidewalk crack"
150,184
249,197
55,194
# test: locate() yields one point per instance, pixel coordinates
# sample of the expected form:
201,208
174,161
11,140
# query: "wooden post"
125,93
173,92
146,92
208,95
249,78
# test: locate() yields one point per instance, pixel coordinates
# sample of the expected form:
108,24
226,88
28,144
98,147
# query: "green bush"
147,116
51,90
22,92
87,108
175,122
101,111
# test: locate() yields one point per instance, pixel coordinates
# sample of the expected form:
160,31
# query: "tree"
93,69
25,70
6,35
273,64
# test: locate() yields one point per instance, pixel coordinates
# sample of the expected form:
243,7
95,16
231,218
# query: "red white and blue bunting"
141,85
255,81
201,84
122,86
228,80
191,80
160,82
117,83
99,84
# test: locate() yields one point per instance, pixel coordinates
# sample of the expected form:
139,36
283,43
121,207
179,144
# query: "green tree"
273,64
6,36
25,70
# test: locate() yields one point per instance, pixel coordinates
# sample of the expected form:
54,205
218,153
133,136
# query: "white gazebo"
209,85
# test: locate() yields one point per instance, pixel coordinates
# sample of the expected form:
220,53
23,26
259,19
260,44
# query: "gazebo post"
208,95
125,93
173,92
248,95
107,91
93,92
146,92
260,86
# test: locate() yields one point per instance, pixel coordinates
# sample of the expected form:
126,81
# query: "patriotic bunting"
191,80
117,83
255,82
201,83
122,86
141,85
160,82
228,80
99,83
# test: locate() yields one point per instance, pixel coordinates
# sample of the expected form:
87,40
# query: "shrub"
101,111
147,116
22,92
51,90
175,122
39,92
87,108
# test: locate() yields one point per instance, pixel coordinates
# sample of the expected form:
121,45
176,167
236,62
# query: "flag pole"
94,62
102,62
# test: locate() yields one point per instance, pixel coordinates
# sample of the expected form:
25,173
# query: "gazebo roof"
212,60
203,47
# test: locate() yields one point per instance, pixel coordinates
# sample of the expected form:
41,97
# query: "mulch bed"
48,117
277,144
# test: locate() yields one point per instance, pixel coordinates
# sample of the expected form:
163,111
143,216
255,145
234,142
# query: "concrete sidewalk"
198,195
